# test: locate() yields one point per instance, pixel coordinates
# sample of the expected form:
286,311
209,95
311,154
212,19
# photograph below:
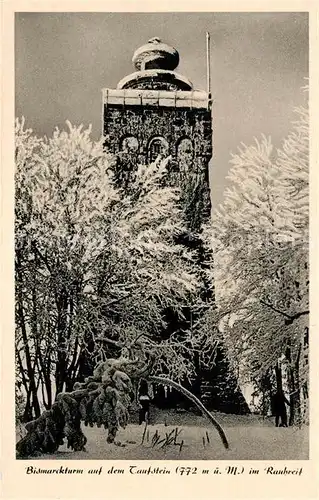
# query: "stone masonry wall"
173,125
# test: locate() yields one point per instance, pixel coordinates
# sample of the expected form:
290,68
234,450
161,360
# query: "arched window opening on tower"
158,147
129,144
185,154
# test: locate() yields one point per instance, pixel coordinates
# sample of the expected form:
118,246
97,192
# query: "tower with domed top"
155,112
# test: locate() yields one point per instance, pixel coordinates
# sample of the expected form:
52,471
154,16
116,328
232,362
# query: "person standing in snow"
279,408
144,398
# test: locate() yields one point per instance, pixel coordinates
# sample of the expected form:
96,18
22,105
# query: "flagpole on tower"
208,62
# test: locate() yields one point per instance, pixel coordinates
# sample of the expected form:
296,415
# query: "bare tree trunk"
294,386
61,365
278,377
29,366
44,373
27,414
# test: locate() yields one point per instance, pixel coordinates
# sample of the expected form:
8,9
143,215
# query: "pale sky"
259,62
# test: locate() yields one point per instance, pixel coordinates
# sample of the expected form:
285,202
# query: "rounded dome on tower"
154,64
155,55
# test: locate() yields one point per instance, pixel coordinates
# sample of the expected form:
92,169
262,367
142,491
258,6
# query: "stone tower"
157,112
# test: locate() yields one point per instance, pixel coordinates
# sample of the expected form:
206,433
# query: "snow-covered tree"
260,239
95,266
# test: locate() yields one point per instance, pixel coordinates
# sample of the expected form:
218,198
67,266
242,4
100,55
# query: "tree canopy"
259,235
96,266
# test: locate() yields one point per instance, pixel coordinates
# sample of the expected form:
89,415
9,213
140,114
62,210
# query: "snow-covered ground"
250,438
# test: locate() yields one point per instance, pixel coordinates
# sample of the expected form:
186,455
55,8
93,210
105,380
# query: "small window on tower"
158,147
129,144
